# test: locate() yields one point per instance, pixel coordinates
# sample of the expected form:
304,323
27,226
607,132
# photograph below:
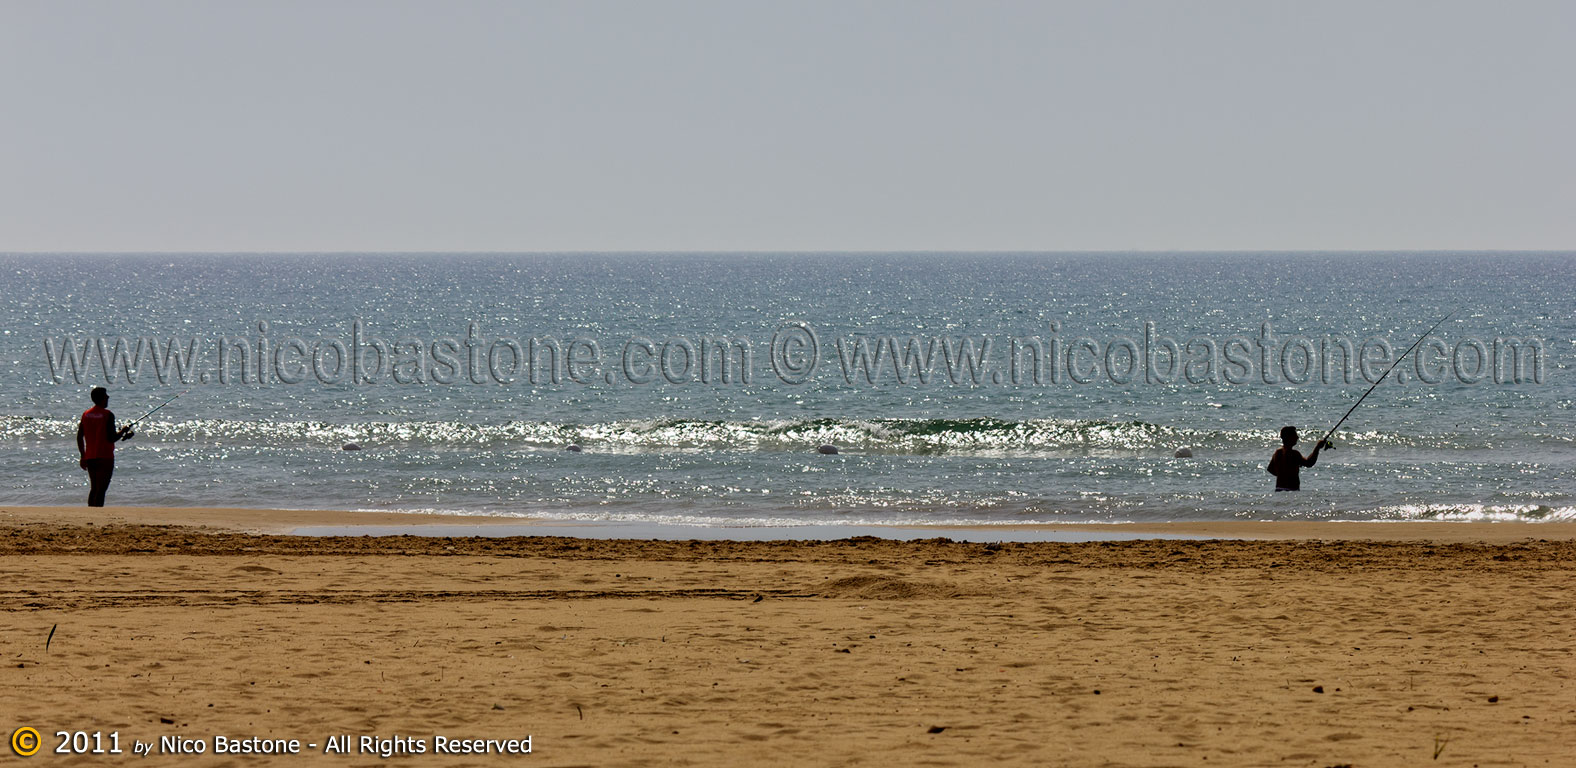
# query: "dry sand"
856,652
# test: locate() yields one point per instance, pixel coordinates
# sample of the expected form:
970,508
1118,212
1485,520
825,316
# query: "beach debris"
1493,699
758,598
1439,745
936,729
1318,689
1185,452
351,447
828,449
885,588
51,637
573,448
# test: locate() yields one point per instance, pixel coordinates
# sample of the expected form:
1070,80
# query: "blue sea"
978,389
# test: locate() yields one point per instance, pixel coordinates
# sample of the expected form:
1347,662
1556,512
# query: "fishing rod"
133,422
1387,371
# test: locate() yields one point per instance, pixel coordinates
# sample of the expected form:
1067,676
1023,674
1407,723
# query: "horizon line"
727,252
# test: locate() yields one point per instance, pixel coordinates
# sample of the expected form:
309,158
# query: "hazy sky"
788,125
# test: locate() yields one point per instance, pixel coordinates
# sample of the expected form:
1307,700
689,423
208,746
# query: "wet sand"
277,521
1294,648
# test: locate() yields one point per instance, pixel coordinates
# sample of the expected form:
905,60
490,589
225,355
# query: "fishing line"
1387,371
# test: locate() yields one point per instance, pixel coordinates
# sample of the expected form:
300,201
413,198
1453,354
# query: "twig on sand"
51,637
1439,745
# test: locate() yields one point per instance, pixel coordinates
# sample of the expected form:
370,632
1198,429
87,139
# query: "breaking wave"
896,435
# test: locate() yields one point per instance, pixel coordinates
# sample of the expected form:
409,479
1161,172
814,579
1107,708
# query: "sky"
740,125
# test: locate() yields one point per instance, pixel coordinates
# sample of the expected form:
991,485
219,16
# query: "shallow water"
951,432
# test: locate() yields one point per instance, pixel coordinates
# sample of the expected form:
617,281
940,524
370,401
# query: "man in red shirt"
96,437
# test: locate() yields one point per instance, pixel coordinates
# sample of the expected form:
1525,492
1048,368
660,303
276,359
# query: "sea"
709,389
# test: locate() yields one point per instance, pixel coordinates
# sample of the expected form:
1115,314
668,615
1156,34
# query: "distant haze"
538,126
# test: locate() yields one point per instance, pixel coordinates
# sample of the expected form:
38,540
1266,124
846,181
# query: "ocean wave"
1475,513
889,435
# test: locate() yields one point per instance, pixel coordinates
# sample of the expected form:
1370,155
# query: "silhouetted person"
1287,462
96,437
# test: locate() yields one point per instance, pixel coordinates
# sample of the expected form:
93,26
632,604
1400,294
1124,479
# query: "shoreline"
378,524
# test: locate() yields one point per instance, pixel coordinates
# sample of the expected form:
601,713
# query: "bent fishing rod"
1415,344
133,422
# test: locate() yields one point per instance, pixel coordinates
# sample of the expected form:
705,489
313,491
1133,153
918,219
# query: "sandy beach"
1313,645
709,384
